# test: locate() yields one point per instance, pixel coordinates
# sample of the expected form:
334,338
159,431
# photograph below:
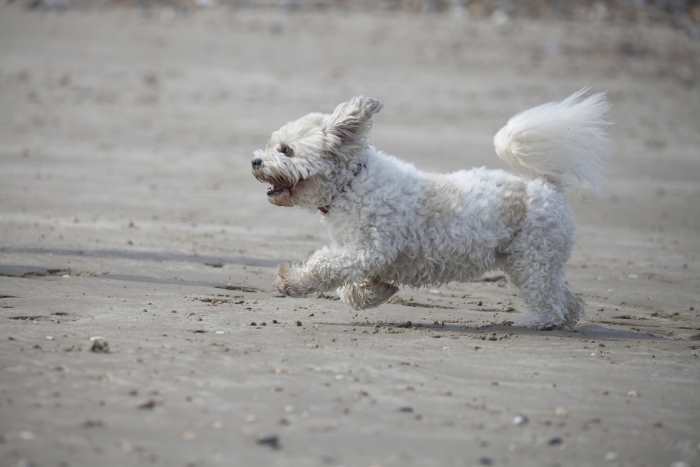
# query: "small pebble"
561,412
406,409
520,420
485,461
99,345
555,441
611,456
632,393
298,323
271,441
150,404
92,424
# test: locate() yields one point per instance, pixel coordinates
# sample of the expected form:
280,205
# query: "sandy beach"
137,252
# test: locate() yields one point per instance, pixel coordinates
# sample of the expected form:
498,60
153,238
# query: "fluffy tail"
564,142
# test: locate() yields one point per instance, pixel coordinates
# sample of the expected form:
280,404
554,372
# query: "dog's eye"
286,150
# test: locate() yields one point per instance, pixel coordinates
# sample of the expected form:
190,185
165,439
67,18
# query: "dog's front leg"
326,269
366,294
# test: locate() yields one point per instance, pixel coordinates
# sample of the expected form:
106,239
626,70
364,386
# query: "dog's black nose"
256,163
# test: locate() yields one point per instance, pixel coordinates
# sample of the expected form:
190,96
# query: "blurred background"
145,112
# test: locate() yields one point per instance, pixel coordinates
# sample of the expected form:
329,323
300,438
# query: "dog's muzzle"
279,190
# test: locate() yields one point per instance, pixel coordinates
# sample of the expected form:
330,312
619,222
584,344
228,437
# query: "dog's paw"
286,283
281,284
367,294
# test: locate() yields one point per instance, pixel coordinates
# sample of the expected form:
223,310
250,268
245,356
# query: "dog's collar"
358,169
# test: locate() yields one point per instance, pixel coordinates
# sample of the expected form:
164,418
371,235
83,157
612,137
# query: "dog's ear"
351,120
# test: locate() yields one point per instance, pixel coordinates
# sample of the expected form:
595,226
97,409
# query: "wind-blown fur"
391,224
565,142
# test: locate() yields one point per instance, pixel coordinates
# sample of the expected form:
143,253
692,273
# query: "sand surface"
127,211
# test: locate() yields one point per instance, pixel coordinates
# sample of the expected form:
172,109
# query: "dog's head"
308,161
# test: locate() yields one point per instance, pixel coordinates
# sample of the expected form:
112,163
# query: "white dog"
392,224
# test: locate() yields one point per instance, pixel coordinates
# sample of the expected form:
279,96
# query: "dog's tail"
563,142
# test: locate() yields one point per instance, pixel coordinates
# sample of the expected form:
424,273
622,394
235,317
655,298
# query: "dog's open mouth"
280,190
280,194
274,190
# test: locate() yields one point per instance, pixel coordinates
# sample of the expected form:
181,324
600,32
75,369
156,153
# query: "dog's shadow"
495,331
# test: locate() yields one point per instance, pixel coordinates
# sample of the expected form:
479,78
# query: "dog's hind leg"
536,267
366,294
535,260
544,290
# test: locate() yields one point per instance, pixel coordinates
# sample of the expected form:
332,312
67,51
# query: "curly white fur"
565,142
392,224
